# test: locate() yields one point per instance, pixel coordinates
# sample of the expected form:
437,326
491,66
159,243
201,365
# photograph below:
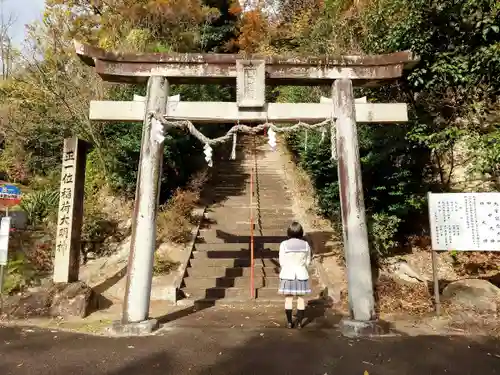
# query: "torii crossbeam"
251,74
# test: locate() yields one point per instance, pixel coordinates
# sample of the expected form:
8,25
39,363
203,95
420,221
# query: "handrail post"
252,288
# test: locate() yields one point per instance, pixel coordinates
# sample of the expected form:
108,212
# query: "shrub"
175,219
383,229
40,205
19,274
96,228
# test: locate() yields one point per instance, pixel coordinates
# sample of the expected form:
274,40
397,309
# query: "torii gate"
251,74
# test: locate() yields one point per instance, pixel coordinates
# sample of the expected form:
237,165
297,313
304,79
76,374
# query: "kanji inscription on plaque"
465,221
250,83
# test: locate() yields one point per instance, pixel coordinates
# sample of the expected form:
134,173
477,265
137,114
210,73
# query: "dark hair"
295,230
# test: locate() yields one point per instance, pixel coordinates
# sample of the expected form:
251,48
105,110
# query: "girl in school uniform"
294,259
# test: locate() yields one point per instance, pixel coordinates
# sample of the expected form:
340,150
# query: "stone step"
241,228
279,228
232,272
264,223
241,254
267,213
262,195
246,165
239,181
211,239
261,184
227,206
223,203
228,165
235,294
259,219
209,302
237,246
229,234
242,172
234,236
230,263
241,239
229,293
268,188
230,282
246,192
221,232
232,198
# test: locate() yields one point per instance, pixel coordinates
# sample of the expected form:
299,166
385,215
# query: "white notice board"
4,240
465,221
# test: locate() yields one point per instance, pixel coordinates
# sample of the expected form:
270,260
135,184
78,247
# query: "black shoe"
300,318
289,318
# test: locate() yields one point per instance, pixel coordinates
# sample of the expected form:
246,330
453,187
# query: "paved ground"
242,342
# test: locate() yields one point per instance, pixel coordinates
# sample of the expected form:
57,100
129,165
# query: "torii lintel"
221,68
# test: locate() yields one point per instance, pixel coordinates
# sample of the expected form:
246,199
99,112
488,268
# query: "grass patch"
163,266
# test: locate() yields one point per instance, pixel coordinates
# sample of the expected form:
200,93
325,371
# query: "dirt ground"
243,351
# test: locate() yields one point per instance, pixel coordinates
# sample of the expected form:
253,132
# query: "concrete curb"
199,213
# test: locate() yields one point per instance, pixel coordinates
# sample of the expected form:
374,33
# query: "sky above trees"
23,12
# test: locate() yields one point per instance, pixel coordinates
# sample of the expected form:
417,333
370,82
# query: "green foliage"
383,229
95,173
19,273
457,80
323,171
40,205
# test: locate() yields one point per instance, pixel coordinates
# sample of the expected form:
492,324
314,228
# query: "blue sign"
10,195
10,190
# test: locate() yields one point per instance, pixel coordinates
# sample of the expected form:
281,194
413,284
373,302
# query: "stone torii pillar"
356,248
143,241
354,227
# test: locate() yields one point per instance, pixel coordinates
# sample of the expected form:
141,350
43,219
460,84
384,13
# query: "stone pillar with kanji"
70,215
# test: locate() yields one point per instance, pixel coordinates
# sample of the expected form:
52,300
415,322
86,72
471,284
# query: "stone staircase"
219,270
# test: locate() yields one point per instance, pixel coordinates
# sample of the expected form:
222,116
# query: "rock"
329,296
28,305
19,219
75,299
481,295
403,271
91,255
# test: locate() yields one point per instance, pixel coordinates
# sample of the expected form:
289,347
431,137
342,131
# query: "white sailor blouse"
294,258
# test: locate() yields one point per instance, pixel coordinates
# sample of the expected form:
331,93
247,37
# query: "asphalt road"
203,351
